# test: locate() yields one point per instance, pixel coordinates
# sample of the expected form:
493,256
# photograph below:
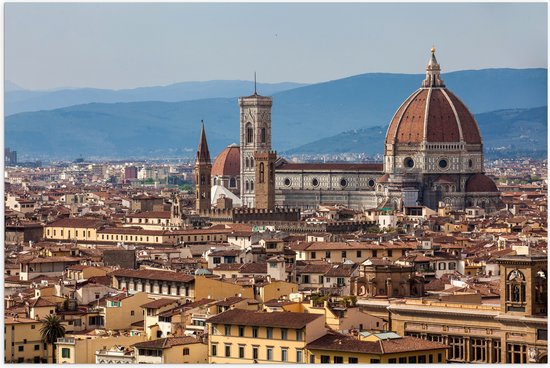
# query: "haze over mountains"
300,115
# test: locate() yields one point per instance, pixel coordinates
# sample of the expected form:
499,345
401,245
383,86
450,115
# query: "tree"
51,330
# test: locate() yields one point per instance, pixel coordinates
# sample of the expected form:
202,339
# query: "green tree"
51,330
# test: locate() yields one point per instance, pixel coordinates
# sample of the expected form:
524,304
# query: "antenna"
254,82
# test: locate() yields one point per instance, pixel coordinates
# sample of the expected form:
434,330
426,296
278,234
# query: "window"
442,266
34,326
132,313
496,351
249,133
262,135
227,331
374,361
392,360
284,334
269,353
542,334
402,360
478,350
516,353
456,350
262,172
325,359
269,332
315,182
298,335
227,350
344,254
327,254
66,353
214,349
255,332
241,331
305,279
452,266
312,359
338,360
284,354
20,348
241,351
412,359
439,357
353,360
374,253
313,255
254,352
358,254
185,351
299,356
421,359
36,347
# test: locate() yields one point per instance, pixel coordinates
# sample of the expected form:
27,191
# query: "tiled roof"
277,319
330,166
228,162
343,343
154,275
151,214
166,343
159,303
77,223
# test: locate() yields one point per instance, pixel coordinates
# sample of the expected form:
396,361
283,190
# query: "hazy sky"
131,45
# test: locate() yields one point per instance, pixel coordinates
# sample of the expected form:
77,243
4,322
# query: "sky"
129,45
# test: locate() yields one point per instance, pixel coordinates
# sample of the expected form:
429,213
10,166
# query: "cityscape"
420,238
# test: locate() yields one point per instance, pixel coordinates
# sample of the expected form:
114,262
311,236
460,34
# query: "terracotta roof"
77,222
254,268
50,260
40,302
227,302
343,343
159,303
151,214
411,125
282,319
166,342
330,166
228,162
480,183
154,275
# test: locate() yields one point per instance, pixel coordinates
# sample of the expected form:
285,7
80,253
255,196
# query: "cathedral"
433,155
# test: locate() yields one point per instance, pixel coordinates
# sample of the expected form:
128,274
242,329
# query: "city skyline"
119,46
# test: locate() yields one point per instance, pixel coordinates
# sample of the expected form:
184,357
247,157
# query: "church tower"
255,123
265,179
203,169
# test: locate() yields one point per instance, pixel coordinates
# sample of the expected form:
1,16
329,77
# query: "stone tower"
203,169
255,122
265,179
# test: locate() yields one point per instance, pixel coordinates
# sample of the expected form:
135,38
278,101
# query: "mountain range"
300,115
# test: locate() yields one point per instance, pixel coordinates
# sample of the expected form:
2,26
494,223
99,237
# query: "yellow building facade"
23,341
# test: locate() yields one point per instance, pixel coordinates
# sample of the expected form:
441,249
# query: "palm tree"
51,330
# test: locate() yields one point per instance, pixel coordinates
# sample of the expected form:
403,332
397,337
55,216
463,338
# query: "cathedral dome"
228,162
433,114
480,183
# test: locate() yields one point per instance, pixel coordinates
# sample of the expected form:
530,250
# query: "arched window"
262,135
515,291
202,179
261,172
249,134
541,286
246,162
252,186
251,161
247,186
232,183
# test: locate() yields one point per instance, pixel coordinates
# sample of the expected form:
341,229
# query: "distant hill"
300,115
20,100
512,129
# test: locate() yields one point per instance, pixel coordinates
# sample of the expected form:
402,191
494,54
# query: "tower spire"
203,155
433,71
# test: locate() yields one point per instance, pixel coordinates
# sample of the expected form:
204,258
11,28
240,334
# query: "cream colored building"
238,336
172,350
23,341
82,348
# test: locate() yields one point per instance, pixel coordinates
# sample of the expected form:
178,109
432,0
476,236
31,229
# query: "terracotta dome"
433,114
228,162
480,183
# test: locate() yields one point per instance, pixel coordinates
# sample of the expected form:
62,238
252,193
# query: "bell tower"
265,179
255,129
523,280
203,168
